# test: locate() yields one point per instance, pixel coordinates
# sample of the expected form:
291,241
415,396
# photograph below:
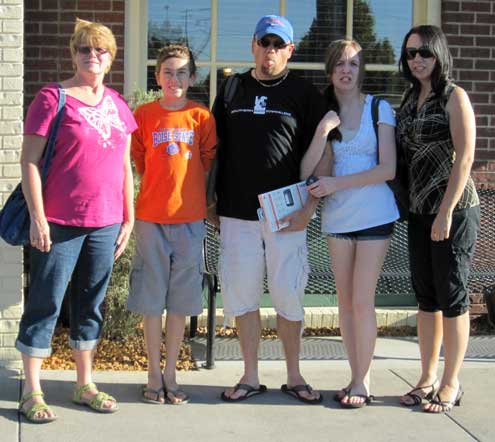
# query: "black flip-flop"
294,392
367,401
155,399
337,397
175,393
250,392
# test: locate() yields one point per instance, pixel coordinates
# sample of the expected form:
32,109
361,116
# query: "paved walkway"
271,417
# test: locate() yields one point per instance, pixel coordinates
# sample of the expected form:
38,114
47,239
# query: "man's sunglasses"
266,42
423,51
86,50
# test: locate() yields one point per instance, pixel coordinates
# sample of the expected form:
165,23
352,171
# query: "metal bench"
394,279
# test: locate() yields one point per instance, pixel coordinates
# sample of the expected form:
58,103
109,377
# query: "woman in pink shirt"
81,218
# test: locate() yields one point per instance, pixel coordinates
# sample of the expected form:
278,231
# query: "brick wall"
48,26
469,25
11,43
470,29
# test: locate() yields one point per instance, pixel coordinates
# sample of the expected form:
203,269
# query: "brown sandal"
446,406
417,398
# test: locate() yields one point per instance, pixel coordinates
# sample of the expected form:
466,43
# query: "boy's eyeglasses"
423,51
266,42
86,50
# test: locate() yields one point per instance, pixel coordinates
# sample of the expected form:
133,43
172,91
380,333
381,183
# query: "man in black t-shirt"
265,129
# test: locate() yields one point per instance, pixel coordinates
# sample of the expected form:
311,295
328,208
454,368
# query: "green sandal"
30,414
96,402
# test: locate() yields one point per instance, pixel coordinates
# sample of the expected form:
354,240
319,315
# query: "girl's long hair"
333,54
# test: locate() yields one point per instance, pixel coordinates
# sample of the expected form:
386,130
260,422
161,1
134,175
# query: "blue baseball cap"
274,24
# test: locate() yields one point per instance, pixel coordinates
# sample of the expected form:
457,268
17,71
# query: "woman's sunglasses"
266,42
423,51
86,50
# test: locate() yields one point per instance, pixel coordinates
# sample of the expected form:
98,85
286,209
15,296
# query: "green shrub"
139,97
119,322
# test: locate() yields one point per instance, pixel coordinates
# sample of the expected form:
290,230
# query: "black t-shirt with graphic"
264,134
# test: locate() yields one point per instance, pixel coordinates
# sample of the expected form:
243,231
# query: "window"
219,33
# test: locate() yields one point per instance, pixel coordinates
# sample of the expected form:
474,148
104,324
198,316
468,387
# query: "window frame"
136,49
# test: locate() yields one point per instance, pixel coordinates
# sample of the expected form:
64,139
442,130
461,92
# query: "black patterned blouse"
426,144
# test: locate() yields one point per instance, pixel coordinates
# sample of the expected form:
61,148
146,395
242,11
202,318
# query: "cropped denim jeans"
80,255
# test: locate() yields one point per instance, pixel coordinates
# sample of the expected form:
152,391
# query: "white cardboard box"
279,203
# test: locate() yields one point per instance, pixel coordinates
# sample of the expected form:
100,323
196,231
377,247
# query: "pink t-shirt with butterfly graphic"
85,183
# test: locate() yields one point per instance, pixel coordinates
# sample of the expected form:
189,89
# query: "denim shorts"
83,256
384,231
440,269
167,269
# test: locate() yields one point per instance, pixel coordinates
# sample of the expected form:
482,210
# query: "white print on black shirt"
260,105
260,108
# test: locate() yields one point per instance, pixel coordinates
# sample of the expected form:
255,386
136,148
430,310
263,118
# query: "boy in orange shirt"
172,149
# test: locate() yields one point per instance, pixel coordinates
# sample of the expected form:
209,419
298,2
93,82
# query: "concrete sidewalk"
270,417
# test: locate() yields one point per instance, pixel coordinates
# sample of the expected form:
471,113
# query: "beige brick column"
11,98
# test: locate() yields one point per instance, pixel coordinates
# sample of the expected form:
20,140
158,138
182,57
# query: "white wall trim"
427,12
136,45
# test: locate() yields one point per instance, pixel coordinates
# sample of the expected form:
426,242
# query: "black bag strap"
231,84
48,153
400,194
375,111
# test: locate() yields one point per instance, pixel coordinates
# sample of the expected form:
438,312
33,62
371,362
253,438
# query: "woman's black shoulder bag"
14,216
397,185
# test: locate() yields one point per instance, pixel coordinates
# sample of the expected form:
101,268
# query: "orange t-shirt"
172,150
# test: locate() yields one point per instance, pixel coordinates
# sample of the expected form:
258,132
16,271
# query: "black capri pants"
440,269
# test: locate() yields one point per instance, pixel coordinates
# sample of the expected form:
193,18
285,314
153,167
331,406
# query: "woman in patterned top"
82,217
436,133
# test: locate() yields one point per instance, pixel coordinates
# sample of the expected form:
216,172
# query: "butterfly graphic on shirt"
103,118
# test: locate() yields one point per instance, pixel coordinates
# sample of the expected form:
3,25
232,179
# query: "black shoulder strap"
375,105
231,84
50,144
